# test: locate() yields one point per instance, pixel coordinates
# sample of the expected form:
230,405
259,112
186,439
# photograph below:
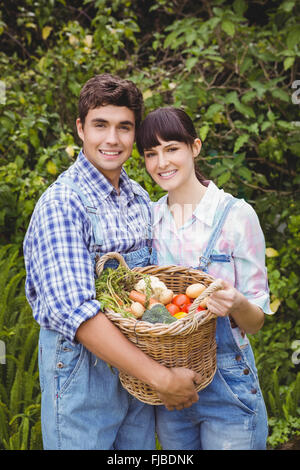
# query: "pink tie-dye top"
241,238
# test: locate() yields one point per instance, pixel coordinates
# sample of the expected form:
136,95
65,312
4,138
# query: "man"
84,405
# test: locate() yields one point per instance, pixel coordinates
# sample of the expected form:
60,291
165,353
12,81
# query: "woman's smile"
167,174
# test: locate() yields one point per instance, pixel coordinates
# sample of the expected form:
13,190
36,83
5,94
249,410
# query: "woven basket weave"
188,342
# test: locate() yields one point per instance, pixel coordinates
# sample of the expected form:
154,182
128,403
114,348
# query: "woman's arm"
248,300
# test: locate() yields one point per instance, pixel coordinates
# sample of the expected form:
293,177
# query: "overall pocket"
69,359
240,385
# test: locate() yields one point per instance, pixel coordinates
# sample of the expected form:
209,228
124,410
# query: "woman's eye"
149,154
172,149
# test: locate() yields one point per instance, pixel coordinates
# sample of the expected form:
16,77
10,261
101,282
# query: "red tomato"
181,300
172,309
200,308
185,308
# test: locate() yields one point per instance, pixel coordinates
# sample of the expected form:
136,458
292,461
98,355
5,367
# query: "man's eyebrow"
105,121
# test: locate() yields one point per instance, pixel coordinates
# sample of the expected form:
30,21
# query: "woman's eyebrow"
166,146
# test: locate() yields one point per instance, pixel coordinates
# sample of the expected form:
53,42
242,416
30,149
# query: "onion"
137,309
166,296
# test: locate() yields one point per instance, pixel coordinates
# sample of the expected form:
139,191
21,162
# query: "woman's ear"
196,147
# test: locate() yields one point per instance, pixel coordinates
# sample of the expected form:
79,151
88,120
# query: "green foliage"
19,388
284,406
231,65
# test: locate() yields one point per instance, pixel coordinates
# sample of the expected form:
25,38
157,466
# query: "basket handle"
214,286
100,262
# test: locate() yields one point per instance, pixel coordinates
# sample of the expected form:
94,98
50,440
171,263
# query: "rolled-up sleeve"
249,259
60,273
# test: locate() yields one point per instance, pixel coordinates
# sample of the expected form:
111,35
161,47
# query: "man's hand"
177,391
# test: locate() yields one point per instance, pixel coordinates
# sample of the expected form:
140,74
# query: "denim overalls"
84,406
230,412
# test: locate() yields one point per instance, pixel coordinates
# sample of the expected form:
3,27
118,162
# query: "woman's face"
171,164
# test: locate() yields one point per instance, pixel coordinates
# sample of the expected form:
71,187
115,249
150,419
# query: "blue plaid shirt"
60,282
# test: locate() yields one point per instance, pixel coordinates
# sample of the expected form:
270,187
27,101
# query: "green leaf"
240,6
293,37
288,62
246,65
203,132
281,94
245,173
247,111
260,87
191,62
213,109
287,6
224,177
265,125
228,27
240,141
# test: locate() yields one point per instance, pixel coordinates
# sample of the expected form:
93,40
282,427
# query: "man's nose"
112,135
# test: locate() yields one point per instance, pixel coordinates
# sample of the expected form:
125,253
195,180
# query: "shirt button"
238,357
60,365
246,371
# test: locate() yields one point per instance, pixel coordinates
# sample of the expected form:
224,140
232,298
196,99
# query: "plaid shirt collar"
97,182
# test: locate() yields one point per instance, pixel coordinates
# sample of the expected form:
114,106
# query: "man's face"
108,136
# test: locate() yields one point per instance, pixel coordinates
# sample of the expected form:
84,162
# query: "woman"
198,225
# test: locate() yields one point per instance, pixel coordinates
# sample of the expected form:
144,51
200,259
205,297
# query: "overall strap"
98,238
144,209
205,259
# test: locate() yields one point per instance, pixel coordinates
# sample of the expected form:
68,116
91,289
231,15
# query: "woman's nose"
162,161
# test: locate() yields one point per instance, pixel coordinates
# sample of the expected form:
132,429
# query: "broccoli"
158,314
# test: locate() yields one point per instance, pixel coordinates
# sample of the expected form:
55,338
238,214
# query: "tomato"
200,308
181,300
172,309
186,307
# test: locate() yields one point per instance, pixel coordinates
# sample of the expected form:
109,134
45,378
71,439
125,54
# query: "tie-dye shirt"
241,238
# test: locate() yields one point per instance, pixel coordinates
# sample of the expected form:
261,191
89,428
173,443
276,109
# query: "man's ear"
196,147
80,129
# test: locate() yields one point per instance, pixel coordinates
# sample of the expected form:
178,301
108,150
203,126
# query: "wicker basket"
188,342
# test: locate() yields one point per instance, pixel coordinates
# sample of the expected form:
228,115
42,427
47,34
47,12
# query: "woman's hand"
229,301
225,301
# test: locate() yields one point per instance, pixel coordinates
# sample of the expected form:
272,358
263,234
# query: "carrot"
141,298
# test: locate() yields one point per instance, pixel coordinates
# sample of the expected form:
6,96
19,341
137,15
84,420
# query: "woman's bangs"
158,126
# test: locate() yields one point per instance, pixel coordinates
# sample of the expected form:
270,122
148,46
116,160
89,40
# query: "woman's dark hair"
107,89
166,124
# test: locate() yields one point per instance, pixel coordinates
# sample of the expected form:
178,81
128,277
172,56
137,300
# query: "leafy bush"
19,387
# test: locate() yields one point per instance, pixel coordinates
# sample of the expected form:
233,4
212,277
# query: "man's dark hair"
107,89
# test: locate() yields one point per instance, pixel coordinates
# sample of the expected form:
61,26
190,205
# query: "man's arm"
175,386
